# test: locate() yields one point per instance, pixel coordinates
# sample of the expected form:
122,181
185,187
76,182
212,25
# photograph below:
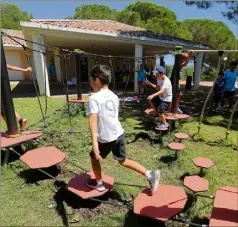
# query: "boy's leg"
105,149
162,118
153,104
96,169
231,99
178,99
22,121
119,154
163,108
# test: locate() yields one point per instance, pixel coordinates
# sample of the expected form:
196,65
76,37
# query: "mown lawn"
31,200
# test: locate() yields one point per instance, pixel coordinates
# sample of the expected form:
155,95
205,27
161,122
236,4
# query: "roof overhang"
70,37
12,47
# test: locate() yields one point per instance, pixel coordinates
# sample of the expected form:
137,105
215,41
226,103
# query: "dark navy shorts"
161,106
117,147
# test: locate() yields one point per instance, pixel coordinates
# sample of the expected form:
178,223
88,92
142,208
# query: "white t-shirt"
106,104
166,84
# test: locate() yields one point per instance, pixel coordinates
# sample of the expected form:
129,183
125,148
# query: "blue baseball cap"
159,69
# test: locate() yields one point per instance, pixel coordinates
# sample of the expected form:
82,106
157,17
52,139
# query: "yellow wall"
24,63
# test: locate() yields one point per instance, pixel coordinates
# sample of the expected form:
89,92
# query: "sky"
46,9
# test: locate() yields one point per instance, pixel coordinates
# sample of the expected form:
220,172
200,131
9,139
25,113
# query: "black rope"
112,73
127,82
67,93
37,93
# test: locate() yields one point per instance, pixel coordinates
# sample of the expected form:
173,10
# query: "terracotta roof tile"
113,27
8,41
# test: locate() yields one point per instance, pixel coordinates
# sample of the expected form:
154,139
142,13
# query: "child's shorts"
140,83
217,98
162,106
117,147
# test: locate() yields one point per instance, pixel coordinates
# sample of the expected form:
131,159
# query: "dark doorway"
84,69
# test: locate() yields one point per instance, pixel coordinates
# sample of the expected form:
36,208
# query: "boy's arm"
92,111
14,68
160,92
150,84
190,54
93,122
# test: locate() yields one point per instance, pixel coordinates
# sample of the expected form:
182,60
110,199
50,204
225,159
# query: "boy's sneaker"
22,123
154,180
99,186
162,126
179,111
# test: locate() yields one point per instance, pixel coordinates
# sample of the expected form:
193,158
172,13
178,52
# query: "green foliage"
141,14
214,34
232,6
187,72
95,12
11,16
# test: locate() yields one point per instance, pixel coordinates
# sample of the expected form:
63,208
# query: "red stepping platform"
196,183
25,136
78,185
181,136
149,111
43,157
161,129
182,116
176,146
165,203
225,208
203,162
171,118
83,100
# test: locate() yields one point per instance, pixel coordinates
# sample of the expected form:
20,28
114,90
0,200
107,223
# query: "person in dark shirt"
184,60
218,90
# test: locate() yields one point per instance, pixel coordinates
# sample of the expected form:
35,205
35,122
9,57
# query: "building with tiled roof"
15,55
102,37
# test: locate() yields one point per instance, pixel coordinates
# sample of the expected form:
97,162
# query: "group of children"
224,88
161,100
106,131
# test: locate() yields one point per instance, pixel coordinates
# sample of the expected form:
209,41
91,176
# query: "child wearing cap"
161,100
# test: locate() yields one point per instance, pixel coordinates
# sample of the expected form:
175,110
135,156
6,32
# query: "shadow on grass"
200,221
65,199
192,199
132,219
12,156
144,136
168,159
33,176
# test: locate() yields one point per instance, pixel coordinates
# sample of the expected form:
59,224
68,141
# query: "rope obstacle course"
168,201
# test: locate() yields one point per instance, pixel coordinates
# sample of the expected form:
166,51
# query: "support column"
138,54
41,65
162,62
198,69
157,60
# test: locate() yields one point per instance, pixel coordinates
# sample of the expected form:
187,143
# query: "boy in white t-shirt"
161,100
106,130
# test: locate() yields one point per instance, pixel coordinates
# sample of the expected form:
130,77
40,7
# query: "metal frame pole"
6,97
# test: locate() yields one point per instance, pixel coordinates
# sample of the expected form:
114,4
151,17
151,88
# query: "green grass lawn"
29,203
